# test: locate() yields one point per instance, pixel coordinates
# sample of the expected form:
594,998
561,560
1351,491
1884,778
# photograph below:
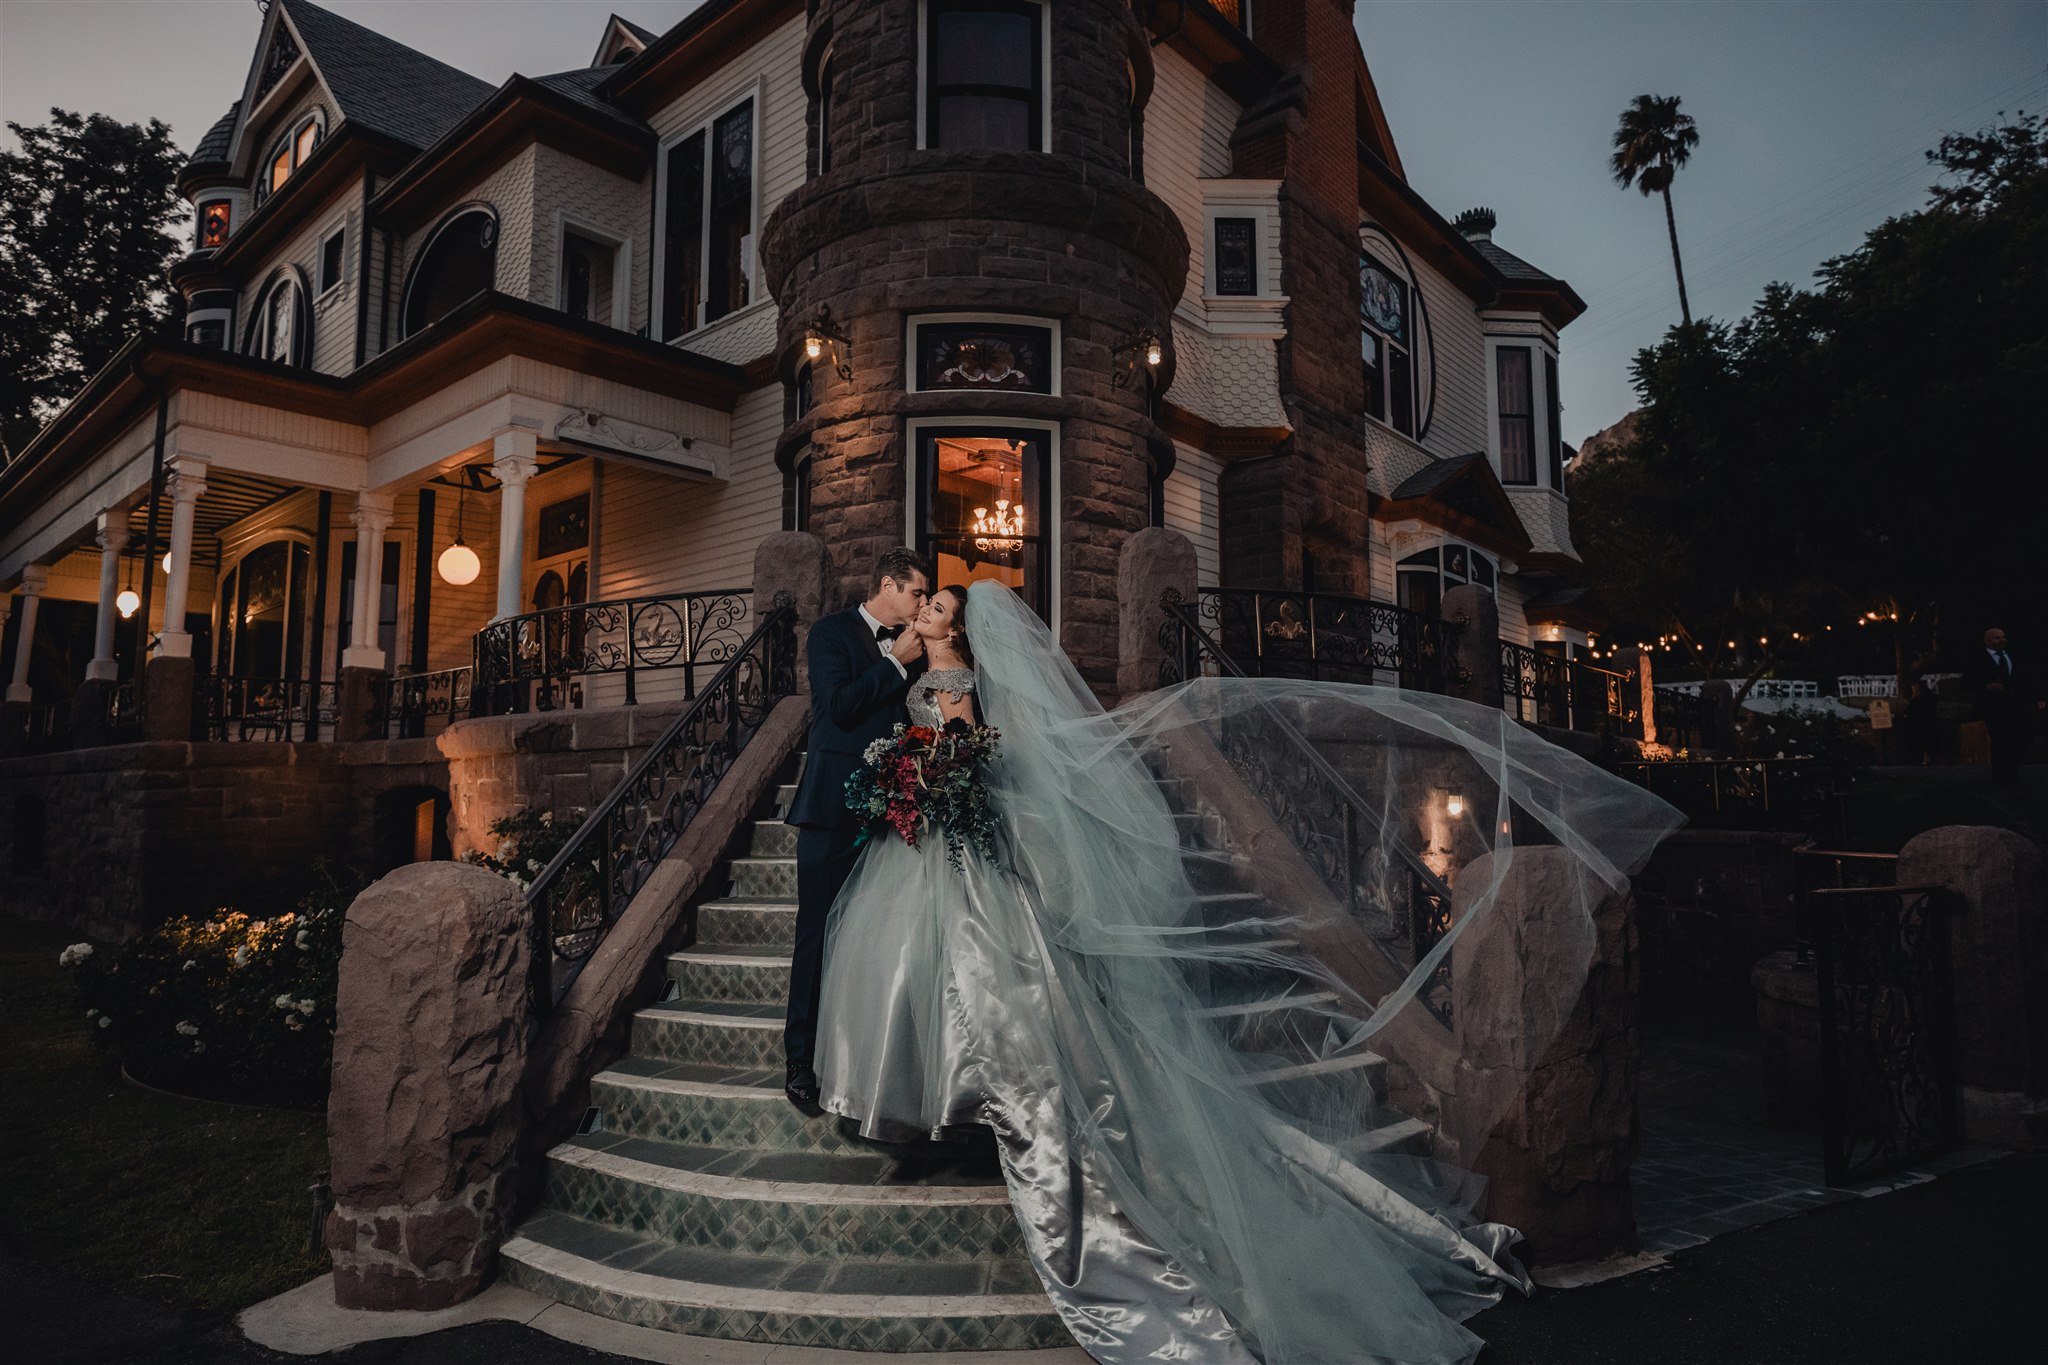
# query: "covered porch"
205,547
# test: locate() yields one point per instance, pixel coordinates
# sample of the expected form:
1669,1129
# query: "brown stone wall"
1308,499
135,833
1066,234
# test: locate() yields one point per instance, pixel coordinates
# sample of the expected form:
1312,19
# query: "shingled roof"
380,83
1511,266
581,85
213,147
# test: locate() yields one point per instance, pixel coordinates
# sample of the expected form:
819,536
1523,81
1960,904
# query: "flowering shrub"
224,1004
528,841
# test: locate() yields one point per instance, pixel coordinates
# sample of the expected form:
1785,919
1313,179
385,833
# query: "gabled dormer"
623,40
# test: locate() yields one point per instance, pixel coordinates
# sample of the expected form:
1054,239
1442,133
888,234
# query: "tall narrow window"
1517,415
983,75
331,260
683,244
214,219
277,324
825,117
1386,346
1555,409
982,498
1237,270
587,278
732,213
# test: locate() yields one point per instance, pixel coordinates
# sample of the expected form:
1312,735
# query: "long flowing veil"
1248,899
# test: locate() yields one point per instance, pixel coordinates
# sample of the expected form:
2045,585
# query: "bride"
1188,1120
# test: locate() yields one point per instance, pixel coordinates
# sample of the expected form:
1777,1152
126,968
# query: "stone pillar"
1152,563
514,459
35,580
1639,693
187,480
1474,666
1547,1062
1998,957
424,1111
795,562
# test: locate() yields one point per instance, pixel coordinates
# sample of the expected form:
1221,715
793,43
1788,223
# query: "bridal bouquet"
921,776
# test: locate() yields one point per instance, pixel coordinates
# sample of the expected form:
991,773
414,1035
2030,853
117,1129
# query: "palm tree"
1652,141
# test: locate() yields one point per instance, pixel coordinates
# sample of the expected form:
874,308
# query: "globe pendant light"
458,563
128,602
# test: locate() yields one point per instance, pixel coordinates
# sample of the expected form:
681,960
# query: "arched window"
288,154
280,325
266,613
458,263
984,79
1423,578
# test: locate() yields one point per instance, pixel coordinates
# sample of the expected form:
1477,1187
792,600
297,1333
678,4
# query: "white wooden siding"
1192,508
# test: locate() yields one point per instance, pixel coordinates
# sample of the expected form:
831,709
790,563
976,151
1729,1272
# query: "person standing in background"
2004,698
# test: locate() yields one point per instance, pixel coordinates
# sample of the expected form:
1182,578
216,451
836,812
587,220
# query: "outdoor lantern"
814,345
167,561
129,602
1454,805
1152,352
458,563
822,331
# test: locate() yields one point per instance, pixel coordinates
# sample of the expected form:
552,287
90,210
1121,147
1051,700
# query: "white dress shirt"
874,625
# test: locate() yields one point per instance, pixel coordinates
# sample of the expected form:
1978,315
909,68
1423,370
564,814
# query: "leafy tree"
1863,446
1651,142
88,208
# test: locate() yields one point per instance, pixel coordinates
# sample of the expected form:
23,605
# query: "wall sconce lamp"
1126,354
822,332
1454,804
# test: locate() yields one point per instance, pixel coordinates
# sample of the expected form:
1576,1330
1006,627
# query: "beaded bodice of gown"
923,701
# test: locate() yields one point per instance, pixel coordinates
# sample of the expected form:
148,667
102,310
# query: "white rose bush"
224,1004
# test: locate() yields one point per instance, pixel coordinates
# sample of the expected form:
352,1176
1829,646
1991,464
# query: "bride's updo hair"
959,596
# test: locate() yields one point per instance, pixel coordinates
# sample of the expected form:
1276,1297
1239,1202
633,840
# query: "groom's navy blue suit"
856,698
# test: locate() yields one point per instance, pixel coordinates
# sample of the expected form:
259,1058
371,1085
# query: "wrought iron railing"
1404,905
1565,694
1324,636
1747,793
584,888
124,712
229,708
46,727
416,705
541,660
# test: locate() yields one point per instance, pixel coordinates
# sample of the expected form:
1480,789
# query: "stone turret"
1058,232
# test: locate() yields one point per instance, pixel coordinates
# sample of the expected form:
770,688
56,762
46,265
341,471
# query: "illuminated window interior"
983,508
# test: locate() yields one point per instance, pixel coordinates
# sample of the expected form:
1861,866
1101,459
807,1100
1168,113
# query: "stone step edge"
566,1265
699,957
745,1189
683,1014
703,1090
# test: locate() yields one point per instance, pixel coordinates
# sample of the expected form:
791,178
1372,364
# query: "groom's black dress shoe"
802,1088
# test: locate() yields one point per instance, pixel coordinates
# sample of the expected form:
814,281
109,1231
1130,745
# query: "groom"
860,662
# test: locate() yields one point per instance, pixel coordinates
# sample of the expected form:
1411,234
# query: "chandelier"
1002,533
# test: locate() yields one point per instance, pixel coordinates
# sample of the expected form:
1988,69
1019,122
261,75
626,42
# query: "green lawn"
202,1204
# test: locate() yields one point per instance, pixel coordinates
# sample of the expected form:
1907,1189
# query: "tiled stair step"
828,1206
1308,1090
1277,1023
862,1306
764,878
773,839
739,921
711,1032
744,975
713,1106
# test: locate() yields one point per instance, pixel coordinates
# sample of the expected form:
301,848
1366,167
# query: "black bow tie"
887,632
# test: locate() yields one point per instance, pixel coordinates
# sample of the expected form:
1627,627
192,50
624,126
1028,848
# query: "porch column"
92,707
365,672
514,459
35,579
187,481
113,540
371,518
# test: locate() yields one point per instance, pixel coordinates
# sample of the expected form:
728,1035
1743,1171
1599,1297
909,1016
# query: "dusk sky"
1813,116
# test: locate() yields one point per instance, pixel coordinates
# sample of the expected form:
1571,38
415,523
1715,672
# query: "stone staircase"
702,1202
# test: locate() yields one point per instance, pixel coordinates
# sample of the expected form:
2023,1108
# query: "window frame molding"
912,321
426,248
338,226
924,76
755,88
1406,278
302,320
261,191
913,456
622,266
263,540
1540,344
